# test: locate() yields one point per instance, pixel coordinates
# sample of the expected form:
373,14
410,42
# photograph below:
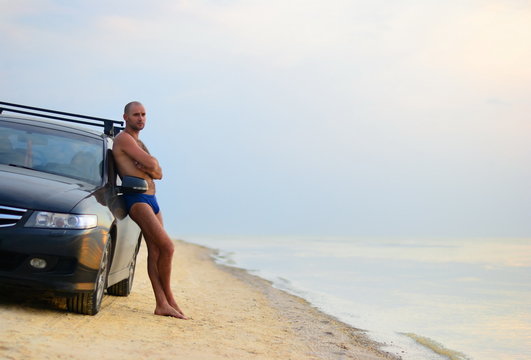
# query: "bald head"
127,107
134,116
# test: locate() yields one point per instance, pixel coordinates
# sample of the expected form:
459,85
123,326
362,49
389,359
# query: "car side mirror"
133,184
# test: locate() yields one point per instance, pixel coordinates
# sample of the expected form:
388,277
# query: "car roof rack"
108,125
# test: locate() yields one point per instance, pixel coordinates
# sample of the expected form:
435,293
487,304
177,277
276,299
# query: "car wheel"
90,303
123,288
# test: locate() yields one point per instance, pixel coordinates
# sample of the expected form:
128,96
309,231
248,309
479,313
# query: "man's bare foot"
174,305
169,311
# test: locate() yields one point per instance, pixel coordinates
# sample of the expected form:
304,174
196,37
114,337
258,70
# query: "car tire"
123,288
90,303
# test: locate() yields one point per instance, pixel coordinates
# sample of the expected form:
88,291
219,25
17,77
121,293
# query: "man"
132,158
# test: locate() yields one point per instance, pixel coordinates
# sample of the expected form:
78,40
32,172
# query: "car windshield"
52,151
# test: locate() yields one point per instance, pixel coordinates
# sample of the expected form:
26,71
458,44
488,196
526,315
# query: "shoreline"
234,315
326,336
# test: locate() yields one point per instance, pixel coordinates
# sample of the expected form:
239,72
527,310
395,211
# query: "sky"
403,118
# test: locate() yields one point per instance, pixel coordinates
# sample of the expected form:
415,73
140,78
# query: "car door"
127,234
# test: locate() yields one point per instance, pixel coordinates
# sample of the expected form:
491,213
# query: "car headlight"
44,219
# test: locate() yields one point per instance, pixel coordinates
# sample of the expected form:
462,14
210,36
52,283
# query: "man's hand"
154,174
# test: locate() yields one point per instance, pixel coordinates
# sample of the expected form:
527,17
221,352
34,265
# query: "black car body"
63,223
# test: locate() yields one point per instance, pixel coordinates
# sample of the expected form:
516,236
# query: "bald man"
132,158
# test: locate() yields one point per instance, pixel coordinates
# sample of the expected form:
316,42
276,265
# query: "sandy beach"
234,315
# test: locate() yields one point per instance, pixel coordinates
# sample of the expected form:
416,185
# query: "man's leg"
160,253
166,283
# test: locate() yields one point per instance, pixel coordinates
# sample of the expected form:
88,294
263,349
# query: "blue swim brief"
151,200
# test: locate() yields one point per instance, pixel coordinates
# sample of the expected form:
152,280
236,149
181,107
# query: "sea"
425,298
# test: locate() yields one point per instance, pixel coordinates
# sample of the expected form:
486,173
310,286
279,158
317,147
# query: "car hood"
29,189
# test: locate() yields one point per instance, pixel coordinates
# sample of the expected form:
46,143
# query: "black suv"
63,224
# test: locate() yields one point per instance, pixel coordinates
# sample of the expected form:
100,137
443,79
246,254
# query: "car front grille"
9,216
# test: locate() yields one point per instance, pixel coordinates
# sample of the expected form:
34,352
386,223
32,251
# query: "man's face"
136,117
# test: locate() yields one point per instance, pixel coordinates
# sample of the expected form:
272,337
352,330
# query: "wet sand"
234,315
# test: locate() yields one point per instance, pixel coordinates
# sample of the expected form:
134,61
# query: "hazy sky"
336,117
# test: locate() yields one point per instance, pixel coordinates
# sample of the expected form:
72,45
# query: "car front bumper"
72,258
